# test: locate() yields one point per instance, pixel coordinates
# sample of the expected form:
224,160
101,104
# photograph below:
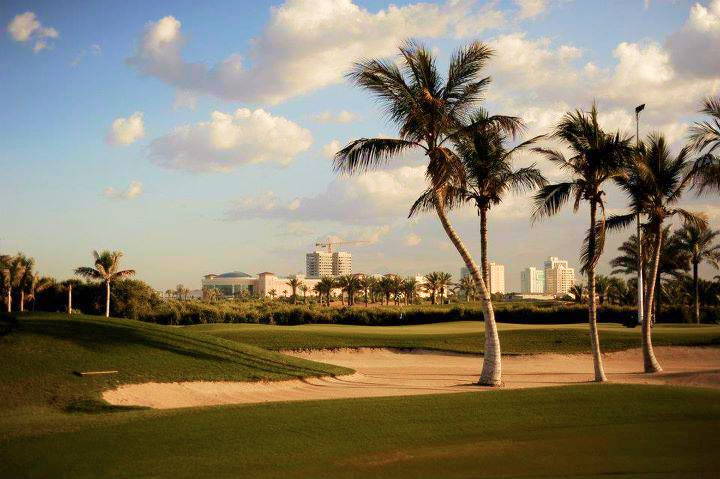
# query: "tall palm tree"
106,269
699,241
490,176
69,284
13,273
431,112
26,278
597,156
294,284
654,184
705,139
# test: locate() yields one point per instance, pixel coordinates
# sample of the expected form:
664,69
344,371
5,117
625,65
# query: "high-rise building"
318,264
496,277
321,263
341,263
532,280
559,278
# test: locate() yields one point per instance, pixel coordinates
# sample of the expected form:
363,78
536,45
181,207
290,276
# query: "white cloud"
695,47
305,46
531,8
134,190
125,131
331,148
412,239
343,116
229,140
25,27
376,196
94,50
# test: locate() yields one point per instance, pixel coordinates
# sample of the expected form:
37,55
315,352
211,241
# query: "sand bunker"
385,372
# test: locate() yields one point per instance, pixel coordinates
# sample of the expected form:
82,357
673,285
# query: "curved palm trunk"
696,288
491,374
483,249
650,362
592,306
107,299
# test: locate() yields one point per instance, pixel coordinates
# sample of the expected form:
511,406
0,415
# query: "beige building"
496,277
237,282
321,263
559,277
532,280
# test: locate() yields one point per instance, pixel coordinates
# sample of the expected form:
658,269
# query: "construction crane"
329,244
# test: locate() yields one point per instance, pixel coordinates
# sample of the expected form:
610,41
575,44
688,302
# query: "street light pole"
640,289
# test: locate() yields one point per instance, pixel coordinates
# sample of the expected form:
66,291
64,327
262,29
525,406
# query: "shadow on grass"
95,406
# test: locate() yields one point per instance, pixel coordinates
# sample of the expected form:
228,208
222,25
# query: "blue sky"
191,191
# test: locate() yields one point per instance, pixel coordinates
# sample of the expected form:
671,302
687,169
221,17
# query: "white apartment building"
559,277
496,277
532,280
237,282
341,263
321,263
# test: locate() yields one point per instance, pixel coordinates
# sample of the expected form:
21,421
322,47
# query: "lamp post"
640,291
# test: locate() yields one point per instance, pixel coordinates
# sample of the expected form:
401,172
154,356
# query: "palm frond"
550,199
369,153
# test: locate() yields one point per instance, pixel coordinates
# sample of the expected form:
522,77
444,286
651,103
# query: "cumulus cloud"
92,50
412,239
343,116
531,8
695,47
229,140
305,46
134,190
331,148
376,196
125,131
25,27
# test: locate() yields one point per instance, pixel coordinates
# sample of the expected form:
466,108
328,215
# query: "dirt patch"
385,372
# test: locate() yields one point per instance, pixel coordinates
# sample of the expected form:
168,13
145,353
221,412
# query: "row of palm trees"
17,276
468,163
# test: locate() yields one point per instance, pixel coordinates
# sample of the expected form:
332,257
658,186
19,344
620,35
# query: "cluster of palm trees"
19,279
468,162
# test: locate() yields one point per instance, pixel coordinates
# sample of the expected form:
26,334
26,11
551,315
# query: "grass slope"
42,351
577,431
466,336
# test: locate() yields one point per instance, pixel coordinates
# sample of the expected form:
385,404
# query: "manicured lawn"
577,431
462,336
40,353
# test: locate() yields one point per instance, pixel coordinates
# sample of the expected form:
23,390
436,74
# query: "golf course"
55,423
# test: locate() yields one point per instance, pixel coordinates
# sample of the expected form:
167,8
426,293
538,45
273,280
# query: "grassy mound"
43,352
576,431
465,336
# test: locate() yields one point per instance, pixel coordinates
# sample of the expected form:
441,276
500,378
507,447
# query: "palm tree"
490,176
294,284
106,268
324,287
697,240
367,283
705,139
431,112
431,284
578,292
597,157
69,284
304,289
443,284
13,273
26,278
38,284
654,185
409,288
386,287
272,293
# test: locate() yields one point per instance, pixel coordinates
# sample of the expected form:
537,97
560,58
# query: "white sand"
384,372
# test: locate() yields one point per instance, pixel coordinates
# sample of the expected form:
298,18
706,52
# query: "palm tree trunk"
651,363
491,374
592,307
9,299
483,248
696,287
107,299
69,307
22,301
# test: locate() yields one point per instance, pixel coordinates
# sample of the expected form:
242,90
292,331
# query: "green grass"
465,336
41,352
576,431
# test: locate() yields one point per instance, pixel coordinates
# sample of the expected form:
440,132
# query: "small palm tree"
705,139
367,283
106,269
325,287
386,287
409,288
272,293
655,183
294,284
597,157
432,285
578,292
38,284
698,240
304,289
